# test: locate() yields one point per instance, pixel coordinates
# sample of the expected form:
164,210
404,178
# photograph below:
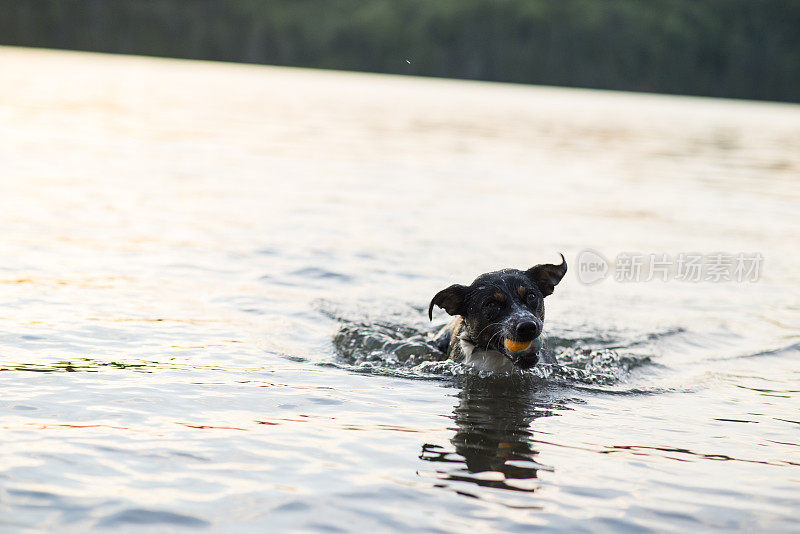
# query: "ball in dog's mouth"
518,346
523,346
524,354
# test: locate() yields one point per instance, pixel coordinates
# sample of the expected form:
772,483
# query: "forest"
723,48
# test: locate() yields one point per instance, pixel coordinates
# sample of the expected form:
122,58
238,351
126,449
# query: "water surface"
215,278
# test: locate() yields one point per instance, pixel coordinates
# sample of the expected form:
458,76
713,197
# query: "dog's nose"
528,330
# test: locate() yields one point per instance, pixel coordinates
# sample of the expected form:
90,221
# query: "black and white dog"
499,317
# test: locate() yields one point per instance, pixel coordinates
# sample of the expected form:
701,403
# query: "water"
215,280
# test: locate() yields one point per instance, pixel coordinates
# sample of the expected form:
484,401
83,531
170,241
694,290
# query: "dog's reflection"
493,443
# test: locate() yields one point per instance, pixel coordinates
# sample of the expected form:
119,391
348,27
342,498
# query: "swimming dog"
498,318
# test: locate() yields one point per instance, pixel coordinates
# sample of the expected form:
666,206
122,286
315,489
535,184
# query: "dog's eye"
533,302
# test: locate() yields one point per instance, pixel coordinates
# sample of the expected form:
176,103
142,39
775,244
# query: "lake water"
214,285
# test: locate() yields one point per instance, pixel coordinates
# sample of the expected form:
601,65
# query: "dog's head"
504,310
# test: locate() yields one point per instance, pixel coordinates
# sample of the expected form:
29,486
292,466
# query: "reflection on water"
494,435
213,295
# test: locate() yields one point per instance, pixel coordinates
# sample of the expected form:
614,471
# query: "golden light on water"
188,247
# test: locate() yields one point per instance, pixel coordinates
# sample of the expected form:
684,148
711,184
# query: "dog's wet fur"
498,306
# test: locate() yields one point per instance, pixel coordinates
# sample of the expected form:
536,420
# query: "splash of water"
396,348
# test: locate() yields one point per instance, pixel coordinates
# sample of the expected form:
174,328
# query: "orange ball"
517,346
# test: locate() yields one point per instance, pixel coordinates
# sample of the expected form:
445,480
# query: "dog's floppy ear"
547,276
450,300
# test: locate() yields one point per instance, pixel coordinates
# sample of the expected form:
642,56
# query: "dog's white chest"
485,360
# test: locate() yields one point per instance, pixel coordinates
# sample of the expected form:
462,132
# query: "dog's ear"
450,300
547,276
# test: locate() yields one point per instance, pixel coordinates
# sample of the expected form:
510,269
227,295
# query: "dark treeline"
730,48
